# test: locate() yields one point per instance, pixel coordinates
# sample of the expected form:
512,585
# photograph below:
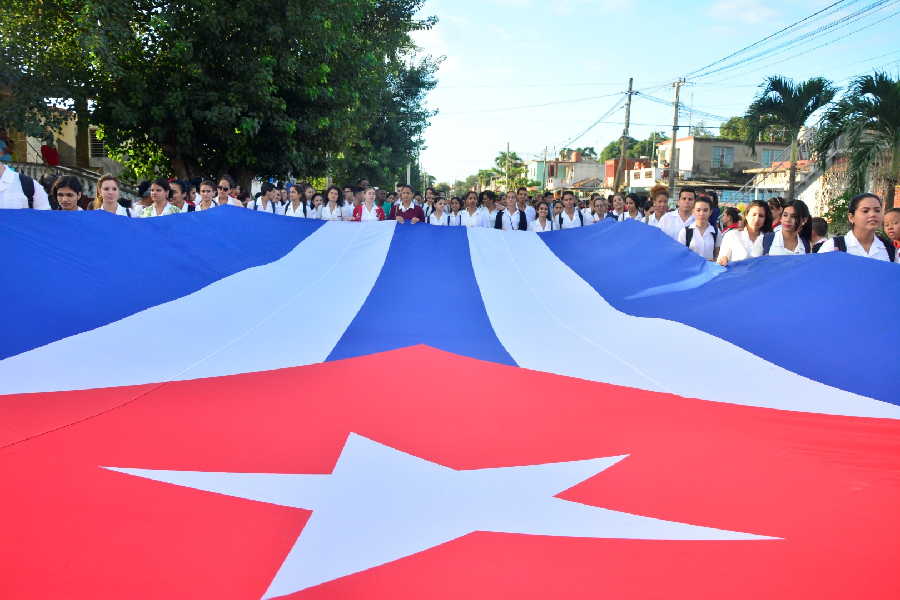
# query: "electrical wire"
554,103
605,115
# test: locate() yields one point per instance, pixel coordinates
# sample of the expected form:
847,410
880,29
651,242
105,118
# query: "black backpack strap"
768,238
523,222
715,233
840,243
128,211
560,220
192,207
805,243
817,246
581,217
27,184
688,236
889,246
498,220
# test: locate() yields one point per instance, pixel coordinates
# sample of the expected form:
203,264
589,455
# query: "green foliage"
633,148
266,88
614,148
701,130
737,128
867,121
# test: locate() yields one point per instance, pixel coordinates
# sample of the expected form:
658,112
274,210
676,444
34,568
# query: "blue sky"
502,54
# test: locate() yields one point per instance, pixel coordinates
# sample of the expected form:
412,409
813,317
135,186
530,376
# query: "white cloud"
744,11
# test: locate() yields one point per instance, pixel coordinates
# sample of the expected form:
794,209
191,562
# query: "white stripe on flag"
287,313
549,319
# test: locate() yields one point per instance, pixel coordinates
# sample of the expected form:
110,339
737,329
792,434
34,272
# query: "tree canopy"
266,88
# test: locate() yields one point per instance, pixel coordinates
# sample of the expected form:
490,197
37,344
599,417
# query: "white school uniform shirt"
736,245
150,211
652,221
536,225
290,212
314,212
591,218
778,248
475,220
672,224
626,216
12,196
510,221
445,219
369,215
455,219
570,222
876,250
332,215
199,206
530,213
704,245
230,202
347,211
257,205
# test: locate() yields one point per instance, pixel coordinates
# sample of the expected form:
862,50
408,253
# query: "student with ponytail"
792,238
866,218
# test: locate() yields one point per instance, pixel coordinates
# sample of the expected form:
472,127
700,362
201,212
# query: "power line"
804,38
618,104
554,103
769,37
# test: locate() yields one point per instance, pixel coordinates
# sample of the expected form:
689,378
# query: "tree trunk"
792,176
893,177
245,179
179,167
82,134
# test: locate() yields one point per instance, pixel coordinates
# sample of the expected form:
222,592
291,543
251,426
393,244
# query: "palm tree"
868,118
788,104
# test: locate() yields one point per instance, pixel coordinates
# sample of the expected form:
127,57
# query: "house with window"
718,159
564,174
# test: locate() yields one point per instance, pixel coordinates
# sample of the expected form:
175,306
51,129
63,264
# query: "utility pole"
544,174
620,171
408,172
673,159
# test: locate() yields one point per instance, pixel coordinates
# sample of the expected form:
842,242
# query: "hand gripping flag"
238,405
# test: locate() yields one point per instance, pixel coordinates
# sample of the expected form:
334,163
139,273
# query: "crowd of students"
725,235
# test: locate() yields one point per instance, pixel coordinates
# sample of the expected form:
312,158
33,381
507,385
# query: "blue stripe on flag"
426,294
823,317
65,273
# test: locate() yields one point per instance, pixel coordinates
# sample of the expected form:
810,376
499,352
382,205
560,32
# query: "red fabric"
827,485
414,211
357,212
50,155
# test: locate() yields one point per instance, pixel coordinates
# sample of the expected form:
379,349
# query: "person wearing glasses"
225,187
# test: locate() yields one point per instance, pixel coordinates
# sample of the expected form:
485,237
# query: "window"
98,150
722,157
769,156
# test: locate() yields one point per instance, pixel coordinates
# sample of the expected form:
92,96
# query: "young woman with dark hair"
792,238
543,222
455,210
207,192
180,194
866,217
701,236
332,209
295,206
776,205
632,208
618,208
731,219
438,216
224,188
67,192
737,244
472,215
160,193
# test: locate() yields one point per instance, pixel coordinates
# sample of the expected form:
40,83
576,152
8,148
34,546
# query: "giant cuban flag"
235,405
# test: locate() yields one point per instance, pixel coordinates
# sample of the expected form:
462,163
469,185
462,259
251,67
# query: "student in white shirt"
67,192
792,238
207,191
438,215
455,208
866,217
701,236
570,216
295,206
597,211
522,203
660,195
226,184
160,193
672,223
737,244
510,218
632,208
543,222
13,196
618,211
368,210
471,215
315,212
332,209
108,195
266,201
557,209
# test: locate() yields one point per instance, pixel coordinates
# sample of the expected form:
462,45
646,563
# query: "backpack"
841,244
689,235
27,184
768,238
580,218
498,220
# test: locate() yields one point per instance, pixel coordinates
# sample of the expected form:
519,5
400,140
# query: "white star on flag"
380,504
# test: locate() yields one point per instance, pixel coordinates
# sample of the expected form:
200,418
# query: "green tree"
867,117
587,152
736,128
613,149
701,130
785,103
